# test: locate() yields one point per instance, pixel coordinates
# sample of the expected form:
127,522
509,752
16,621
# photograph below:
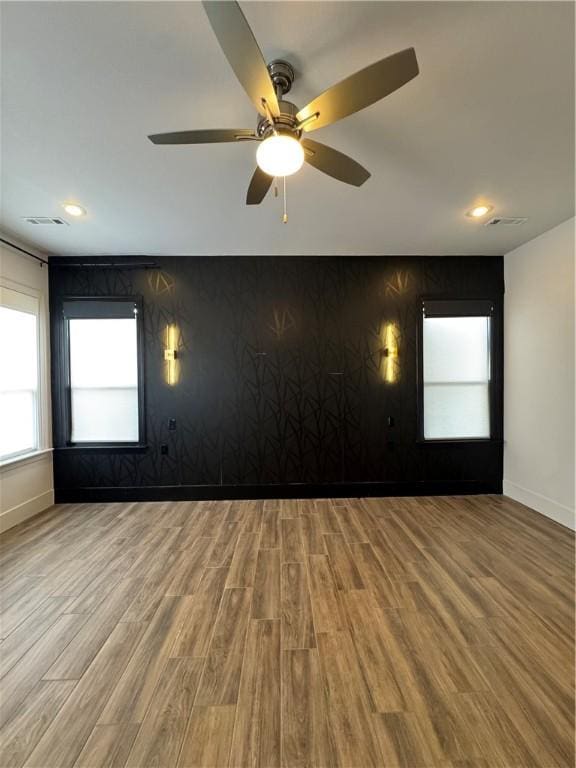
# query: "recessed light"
74,210
478,211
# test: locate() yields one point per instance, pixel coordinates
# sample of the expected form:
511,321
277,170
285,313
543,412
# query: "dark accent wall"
280,379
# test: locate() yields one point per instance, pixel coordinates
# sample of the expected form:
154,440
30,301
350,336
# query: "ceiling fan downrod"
282,75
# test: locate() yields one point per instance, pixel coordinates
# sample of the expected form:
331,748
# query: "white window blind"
456,377
104,380
18,373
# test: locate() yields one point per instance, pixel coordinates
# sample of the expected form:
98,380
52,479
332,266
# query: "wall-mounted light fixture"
390,362
171,360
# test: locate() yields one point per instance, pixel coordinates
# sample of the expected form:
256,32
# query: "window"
18,374
456,370
104,379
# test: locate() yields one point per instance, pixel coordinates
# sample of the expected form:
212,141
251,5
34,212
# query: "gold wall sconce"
171,358
390,358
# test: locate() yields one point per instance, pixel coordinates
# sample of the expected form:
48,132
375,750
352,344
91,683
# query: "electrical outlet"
171,424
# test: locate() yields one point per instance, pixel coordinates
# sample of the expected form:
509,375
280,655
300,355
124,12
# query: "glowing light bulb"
74,210
280,155
479,211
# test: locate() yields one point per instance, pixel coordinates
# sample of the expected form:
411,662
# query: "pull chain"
285,216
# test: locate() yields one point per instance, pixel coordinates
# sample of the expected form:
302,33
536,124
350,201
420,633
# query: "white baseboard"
27,509
552,509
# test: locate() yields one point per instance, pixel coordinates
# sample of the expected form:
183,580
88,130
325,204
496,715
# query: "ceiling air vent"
506,221
45,220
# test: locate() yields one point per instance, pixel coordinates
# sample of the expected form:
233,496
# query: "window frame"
111,445
450,306
31,298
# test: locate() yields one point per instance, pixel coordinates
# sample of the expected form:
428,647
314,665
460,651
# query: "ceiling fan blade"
241,49
203,137
334,163
260,183
359,90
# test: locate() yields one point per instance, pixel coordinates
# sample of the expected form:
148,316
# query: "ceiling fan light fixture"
280,122
280,155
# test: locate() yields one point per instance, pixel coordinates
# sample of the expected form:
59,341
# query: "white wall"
539,425
26,485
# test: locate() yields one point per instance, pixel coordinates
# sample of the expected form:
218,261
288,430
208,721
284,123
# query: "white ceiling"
491,116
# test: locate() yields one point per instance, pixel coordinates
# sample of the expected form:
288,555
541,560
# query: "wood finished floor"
355,632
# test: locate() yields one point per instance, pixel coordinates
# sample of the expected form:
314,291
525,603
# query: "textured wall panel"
280,371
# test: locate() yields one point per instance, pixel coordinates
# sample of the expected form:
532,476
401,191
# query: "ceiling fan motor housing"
286,123
282,75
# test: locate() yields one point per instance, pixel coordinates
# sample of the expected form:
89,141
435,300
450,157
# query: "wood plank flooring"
397,632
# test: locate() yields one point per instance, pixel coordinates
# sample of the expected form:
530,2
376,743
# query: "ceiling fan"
282,150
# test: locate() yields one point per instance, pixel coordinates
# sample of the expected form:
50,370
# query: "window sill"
25,458
461,441
105,449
